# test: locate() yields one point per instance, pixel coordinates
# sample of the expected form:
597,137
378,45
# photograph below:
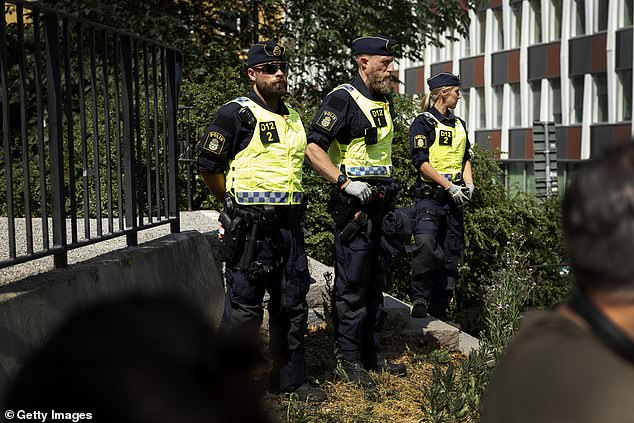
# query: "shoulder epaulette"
430,118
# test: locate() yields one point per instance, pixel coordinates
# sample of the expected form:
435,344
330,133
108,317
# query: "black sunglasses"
272,68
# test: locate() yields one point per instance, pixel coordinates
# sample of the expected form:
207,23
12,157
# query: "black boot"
419,309
355,373
309,393
391,368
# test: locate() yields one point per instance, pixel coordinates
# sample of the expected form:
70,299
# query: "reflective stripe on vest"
269,169
447,151
268,197
359,158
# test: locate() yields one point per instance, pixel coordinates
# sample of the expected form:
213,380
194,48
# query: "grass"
395,399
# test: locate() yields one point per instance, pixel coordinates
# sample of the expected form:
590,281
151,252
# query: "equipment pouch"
371,136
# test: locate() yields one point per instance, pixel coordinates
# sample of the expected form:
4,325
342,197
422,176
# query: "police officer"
350,145
440,151
251,157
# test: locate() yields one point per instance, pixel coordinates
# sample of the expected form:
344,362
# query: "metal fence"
89,133
188,137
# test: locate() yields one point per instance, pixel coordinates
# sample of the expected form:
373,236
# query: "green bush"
495,218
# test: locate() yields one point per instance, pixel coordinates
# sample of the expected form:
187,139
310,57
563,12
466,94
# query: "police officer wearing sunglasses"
350,145
251,158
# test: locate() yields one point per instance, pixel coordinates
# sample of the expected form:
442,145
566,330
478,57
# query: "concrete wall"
179,264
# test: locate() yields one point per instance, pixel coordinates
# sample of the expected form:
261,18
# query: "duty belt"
276,215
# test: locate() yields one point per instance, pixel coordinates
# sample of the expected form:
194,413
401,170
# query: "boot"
308,393
391,368
419,309
356,373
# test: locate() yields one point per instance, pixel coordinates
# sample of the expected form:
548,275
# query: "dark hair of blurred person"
142,360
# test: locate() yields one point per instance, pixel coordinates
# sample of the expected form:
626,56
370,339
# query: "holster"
232,240
427,190
357,224
342,207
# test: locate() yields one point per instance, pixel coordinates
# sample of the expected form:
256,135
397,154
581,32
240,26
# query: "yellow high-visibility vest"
360,159
447,151
269,169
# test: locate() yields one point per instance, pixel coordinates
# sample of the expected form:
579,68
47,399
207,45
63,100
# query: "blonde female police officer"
440,151
251,157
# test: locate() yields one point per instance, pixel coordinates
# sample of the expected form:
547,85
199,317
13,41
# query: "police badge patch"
214,142
327,120
420,141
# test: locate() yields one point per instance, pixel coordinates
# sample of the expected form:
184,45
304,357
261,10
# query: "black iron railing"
89,133
188,137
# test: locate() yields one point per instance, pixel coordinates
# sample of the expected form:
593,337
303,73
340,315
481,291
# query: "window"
482,121
565,170
516,103
499,105
554,31
536,28
464,105
482,23
519,177
579,17
438,54
536,90
516,176
466,43
600,22
625,99
555,99
601,93
499,29
577,99
626,12
516,24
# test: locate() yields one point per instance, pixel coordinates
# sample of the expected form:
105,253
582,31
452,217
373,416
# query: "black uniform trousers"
281,249
439,236
360,279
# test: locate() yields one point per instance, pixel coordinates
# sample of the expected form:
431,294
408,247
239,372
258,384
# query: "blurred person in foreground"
140,360
576,363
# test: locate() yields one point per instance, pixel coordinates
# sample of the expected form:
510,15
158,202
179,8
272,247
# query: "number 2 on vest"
446,138
268,132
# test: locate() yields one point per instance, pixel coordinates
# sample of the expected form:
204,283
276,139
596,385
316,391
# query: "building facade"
562,61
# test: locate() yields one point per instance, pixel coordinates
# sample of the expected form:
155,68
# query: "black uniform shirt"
227,135
422,126
345,120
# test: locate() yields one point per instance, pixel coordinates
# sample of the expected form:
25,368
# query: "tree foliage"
212,35
321,32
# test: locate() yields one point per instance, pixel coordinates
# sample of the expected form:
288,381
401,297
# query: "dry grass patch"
395,399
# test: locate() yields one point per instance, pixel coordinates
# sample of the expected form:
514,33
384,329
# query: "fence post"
129,159
53,83
172,110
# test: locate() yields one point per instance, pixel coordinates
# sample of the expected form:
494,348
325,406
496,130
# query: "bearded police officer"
251,158
350,145
440,151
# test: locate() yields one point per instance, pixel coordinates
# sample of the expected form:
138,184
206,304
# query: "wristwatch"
342,179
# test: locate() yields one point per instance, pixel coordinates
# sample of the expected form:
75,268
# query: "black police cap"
374,44
264,52
443,79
